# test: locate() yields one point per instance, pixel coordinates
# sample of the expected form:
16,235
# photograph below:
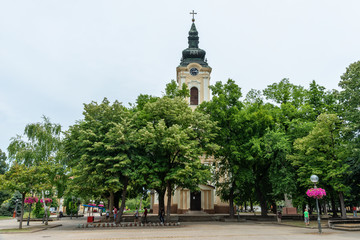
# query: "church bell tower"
194,70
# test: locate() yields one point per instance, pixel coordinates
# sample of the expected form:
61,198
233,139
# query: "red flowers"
316,193
31,200
47,200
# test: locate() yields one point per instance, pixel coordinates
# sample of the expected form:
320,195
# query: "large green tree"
224,109
173,138
101,152
40,146
350,102
323,153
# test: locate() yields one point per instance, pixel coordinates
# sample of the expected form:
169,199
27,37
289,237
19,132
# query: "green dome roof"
193,53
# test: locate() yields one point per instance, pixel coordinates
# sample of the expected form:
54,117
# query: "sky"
57,55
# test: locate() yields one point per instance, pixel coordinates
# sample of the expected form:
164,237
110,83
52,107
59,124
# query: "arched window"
194,96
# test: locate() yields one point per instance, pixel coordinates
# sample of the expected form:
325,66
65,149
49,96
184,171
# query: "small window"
194,96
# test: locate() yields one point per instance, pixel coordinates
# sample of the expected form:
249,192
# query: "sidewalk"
34,226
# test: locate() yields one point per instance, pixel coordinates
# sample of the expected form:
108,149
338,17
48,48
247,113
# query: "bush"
71,206
8,206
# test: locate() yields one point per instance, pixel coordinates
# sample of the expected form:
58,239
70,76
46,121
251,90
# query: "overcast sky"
57,55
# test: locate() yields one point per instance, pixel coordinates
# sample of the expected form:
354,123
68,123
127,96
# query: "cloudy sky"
57,55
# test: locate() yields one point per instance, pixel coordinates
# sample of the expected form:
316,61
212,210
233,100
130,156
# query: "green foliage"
224,109
350,95
172,90
284,92
24,179
322,153
101,151
135,203
71,205
8,206
173,137
38,210
3,164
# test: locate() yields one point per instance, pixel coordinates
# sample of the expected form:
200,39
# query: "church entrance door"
195,201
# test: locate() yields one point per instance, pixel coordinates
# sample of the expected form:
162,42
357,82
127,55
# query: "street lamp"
315,179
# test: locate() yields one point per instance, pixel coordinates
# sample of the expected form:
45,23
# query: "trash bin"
90,219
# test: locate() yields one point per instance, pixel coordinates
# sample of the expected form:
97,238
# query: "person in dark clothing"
161,216
145,215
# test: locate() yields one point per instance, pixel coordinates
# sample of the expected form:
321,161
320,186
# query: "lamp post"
315,179
47,192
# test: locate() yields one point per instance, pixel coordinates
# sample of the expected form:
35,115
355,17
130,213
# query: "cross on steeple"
193,13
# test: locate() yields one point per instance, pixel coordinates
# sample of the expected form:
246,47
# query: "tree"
323,153
3,164
40,146
224,109
350,101
257,121
172,90
24,179
4,195
350,96
173,138
101,152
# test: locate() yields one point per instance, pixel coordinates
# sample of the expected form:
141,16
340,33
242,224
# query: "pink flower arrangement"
316,193
100,205
47,200
31,200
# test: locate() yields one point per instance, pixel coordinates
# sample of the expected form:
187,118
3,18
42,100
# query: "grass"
313,224
5,217
16,230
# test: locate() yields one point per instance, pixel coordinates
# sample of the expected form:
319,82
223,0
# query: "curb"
112,225
32,229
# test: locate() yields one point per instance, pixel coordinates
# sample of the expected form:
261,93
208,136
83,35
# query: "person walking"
115,213
306,217
279,216
161,216
355,211
136,215
145,214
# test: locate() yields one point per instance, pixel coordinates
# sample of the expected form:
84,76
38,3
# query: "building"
195,72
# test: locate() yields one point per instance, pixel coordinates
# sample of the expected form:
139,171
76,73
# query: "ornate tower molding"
194,70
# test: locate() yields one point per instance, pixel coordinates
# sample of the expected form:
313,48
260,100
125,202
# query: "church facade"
195,72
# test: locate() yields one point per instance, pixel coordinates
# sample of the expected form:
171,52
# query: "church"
195,72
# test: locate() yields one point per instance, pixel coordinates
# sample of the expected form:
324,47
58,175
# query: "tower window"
194,96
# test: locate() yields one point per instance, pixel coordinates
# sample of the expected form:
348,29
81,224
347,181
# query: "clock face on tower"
194,71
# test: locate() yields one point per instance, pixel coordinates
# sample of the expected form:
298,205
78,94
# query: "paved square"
203,230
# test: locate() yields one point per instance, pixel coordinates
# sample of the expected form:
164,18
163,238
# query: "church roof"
193,54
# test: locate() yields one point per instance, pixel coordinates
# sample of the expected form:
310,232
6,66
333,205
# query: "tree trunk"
333,206
231,203
245,205
274,208
262,201
161,200
342,205
117,197
111,204
28,220
251,206
303,207
168,207
22,210
123,200
325,208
